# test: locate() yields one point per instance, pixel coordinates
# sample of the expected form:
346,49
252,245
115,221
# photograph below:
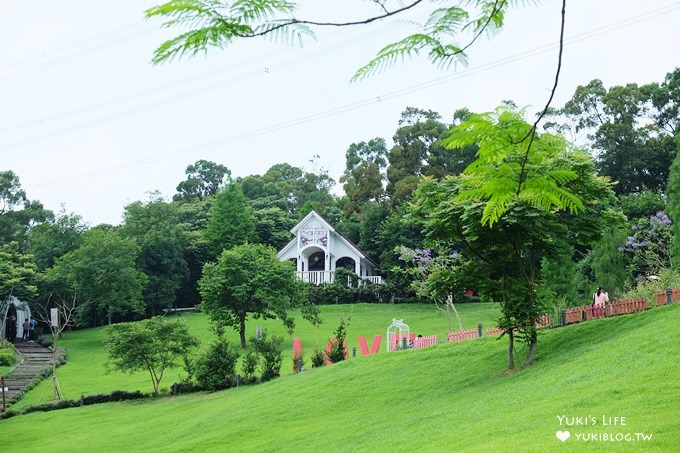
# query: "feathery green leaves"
495,176
439,36
216,24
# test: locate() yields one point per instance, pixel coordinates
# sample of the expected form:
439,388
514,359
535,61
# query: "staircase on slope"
36,360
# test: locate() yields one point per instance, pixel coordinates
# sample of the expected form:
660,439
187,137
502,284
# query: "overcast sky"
87,122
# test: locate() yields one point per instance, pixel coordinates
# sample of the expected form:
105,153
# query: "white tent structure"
23,312
318,250
398,335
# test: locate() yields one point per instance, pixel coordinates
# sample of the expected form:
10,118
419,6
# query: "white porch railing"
377,279
320,277
316,277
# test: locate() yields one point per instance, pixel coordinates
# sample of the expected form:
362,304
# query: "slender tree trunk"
448,317
155,382
460,324
511,351
242,332
532,347
55,345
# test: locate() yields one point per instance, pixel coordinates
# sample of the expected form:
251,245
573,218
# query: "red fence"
494,331
576,314
461,335
619,307
471,334
662,296
423,342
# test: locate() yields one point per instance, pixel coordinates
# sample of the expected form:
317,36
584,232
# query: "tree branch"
498,5
531,135
294,21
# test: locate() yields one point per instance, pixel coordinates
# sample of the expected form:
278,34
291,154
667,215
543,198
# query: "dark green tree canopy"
363,176
231,220
103,274
417,151
153,345
630,129
55,238
11,193
510,209
249,280
204,178
155,227
18,274
18,214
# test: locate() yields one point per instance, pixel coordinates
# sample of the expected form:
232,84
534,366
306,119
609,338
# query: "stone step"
35,359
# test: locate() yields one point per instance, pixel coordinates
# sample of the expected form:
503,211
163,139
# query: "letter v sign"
375,346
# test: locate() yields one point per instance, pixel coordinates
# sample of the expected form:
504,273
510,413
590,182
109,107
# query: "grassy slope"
85,374
445,398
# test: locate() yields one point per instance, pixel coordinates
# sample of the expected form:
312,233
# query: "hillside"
446,398
85,373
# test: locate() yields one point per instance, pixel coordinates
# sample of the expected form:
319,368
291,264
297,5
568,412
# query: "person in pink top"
600,297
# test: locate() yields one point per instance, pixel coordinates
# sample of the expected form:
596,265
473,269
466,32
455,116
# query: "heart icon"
563,435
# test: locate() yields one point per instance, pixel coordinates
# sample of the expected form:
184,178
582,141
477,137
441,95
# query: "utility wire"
365,102
253,73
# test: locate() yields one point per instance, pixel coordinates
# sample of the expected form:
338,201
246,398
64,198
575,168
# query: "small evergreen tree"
270,351
214,368
338,350
249,365
673,206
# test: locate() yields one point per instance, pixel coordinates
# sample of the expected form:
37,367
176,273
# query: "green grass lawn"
85,374
451,397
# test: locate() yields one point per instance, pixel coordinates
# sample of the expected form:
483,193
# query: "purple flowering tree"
434,275
649,245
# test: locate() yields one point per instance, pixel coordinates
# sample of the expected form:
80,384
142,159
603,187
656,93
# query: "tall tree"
55,238
18,214
628,131
673,190
18,274
249,280
363,176
153,345
155,228
11,193
416,139
204,178
231,220
509,210
608,263
101,273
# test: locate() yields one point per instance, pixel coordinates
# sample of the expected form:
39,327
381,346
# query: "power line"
94,45
366,102
203,89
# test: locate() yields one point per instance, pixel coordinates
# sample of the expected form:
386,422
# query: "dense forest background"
154,258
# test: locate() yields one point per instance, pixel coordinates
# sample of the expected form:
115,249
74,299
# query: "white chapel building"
318,250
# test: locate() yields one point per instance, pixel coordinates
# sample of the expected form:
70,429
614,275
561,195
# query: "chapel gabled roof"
311,214
325,224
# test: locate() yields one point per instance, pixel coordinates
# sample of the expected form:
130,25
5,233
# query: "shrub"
318,358
338,350
648,288
270,351
46,340
7,356
249,365
214,368
298,363
185,387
